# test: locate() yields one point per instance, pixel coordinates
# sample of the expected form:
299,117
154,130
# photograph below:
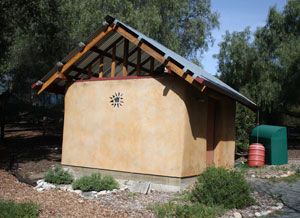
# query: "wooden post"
113,63
138,64
151,65
90,71
125,58
101,67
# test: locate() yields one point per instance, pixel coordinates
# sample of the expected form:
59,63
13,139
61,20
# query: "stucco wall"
225,133
160,129
145,135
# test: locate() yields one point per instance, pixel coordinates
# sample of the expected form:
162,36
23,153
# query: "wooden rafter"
76,57
151,65
138,66
90,71
113,63
101,65
125,58
106,50
119,59
152,52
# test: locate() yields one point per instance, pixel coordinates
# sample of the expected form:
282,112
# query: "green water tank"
274,139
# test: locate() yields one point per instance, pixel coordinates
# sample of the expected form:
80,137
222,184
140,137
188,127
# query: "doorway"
210,135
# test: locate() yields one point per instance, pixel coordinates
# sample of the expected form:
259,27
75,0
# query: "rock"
237,215
250,214
279,205
268,177
290,173
257,214
40,189
124,188
283,176
102,193
48,186
253,176
39,181
141,187
264,213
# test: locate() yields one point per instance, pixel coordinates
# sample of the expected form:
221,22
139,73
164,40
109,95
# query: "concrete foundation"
158,183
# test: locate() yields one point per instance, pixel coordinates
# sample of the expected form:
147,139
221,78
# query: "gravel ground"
66,204
56,202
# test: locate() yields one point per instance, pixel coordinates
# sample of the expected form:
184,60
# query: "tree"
183,26
265,66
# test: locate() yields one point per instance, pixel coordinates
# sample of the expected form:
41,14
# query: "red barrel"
256,155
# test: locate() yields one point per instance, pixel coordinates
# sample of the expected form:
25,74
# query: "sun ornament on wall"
117,100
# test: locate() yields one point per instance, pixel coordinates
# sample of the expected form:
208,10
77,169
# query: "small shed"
274,139
135,108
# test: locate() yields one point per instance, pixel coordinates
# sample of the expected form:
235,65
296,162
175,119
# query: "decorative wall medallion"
116,100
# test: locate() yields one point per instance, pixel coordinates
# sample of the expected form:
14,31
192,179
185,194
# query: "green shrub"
15,210
58,176
218,186
95,182
194,210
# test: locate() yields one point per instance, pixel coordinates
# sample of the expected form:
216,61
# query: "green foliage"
178,210
289,179
58,176
18,210
218,186
95,182
264,66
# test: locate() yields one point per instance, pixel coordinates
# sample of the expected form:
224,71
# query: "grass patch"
18,210
289,179
193,210
58,176
95,182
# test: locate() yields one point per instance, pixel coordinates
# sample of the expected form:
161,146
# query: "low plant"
95,182
219,186
185,210
289,179
58,176
18,210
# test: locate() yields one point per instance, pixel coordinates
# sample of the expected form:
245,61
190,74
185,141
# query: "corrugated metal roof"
188,66
105,45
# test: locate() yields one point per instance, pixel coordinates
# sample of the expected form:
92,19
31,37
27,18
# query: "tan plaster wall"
194,153
159,130
225,133
145,135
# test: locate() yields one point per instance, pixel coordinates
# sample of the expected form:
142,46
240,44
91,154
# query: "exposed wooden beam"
90,71
151,64
113,63
138,66
119,59
152,52
125,58
77,56
101,66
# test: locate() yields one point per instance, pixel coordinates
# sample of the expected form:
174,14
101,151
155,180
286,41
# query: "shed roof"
83,62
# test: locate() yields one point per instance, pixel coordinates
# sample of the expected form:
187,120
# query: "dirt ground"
30,153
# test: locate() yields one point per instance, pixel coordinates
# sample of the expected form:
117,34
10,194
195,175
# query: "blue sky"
235,15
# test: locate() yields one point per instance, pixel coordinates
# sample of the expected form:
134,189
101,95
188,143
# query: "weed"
289,179
186,210
95,182
58,176
18,210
